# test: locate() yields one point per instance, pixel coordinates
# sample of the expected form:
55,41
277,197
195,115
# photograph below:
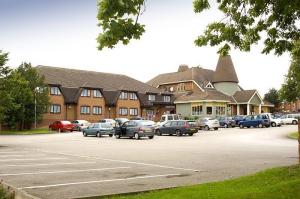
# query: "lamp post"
37,89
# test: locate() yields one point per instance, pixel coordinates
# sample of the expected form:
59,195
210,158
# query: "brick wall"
189,86
128,104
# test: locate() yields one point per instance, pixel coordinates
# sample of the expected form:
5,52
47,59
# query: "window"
151,97
220,110
85,93
97,93
209,110
133,111
132,96
97,110
167,98
196,110
55,91
181,87
55,108
85,110
124,95
123,111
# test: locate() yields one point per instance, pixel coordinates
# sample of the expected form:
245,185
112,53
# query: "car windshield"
65,122
146,123
106,125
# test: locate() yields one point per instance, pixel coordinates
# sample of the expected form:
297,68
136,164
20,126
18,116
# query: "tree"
243,24
273,96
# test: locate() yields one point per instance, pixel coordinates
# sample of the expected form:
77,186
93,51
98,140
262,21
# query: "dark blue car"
238,118
226,122
255,121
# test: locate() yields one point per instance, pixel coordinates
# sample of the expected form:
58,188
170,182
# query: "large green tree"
273,96
245,22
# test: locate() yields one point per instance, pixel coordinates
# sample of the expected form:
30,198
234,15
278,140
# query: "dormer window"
132,96
97,93
124,96
181,87
167,98
209,85
151,97
85,93
54,90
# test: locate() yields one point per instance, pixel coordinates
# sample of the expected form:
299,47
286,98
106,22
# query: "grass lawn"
293,135
277,183
27,132
3,194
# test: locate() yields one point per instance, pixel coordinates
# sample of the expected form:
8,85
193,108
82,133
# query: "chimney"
183,67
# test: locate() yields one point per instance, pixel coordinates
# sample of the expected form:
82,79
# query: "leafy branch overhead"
245,22
119,21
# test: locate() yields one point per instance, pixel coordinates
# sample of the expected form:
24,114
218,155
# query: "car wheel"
136,136
241,126
225,126
294,122
151,137
98,134
232,126
216,128
118,136
273,124
110,135
84,134
260,126
206,128
158,132
178,133
191,134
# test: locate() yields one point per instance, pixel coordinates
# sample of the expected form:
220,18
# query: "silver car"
207,123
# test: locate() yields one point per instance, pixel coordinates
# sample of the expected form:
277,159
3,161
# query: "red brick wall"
127,104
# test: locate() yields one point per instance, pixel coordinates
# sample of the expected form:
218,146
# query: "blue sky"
63,33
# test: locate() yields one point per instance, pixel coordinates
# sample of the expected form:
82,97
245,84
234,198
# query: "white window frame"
85,110
220,110
55,108
133,96
85,93
123,95
123,111
151,97
133,111
97,110
54,90
97,93
167,98
197,110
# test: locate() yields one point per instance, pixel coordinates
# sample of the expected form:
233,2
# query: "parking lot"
68,165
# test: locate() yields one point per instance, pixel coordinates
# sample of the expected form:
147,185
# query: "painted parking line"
66,171
49,164
23,155
31,159
124,161
100,181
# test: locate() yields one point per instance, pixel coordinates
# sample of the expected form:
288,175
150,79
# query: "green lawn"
3,194
277,183
27,132
293,135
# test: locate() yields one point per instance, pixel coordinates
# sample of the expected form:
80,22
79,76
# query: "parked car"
168,117
255,121
226,122
121,120
274,121
207,123
137,118
109,121
61,126
136,129
177,127
79,125
99,129
290,119
237,119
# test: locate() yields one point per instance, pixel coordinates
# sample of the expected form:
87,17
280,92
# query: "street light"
37,89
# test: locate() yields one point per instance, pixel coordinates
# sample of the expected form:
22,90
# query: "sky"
63,34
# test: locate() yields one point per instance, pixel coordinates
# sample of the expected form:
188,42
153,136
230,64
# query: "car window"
170,117
163,118
173,123
65,122
176,117
106,125
131,123
181,123
167,124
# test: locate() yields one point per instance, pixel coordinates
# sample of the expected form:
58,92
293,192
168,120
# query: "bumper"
146,134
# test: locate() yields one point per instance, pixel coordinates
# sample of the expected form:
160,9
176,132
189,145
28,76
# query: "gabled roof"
225,71
199,75
244,96
72,78
111,97
70,94
207,95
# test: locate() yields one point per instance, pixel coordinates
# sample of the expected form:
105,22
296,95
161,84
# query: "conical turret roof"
225,71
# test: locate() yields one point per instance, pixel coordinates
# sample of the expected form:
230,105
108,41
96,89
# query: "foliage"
278,183
119,21
27,132
273,96
290,90
245,22
294,135
4,70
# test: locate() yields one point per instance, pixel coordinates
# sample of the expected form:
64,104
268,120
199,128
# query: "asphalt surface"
68,165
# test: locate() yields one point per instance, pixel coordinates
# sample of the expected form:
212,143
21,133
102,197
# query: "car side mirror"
88,127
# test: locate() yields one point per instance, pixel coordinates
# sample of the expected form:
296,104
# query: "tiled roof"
225,71
72,78
199,75
208,94
243,96
70,94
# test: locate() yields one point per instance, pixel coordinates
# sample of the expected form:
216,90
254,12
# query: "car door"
165,128
89,130
131,128
173,127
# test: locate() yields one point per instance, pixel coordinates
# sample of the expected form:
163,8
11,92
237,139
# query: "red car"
61,126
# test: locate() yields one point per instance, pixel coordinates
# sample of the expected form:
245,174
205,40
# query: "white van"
290,118
165,118
274,121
